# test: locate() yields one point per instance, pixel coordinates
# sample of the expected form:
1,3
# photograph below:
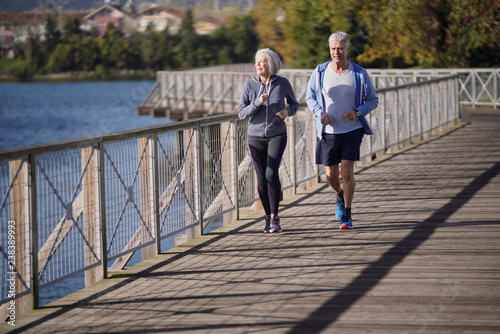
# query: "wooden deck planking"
423,258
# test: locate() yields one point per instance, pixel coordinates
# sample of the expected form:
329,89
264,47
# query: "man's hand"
350,115
325,119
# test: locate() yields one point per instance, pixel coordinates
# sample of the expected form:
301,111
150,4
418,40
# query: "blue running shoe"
275,225
346,223
339,210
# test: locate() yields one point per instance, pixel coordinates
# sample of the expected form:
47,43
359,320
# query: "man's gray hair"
273,59
340,36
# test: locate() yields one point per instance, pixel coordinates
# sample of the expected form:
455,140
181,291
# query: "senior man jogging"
340,93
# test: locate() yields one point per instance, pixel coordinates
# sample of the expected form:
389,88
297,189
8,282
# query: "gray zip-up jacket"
263,121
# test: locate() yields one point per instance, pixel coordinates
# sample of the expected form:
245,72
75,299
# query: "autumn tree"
270,26
299,30
385,33
431,33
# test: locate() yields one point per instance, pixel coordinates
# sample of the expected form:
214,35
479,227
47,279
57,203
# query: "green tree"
271,28
386,33
299,30
442,33
236,41
76,54
71,27
52,34
188,41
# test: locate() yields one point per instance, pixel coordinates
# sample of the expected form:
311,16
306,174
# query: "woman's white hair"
273,59
340,36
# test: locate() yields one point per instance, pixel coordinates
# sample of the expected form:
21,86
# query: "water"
37,113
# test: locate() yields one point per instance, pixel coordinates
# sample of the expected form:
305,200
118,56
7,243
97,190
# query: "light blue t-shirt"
340,96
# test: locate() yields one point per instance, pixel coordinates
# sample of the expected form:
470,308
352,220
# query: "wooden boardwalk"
424,257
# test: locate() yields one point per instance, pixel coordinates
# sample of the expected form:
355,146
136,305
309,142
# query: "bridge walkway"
424,257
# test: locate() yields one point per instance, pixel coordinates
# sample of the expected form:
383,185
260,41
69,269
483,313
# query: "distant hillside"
29,5
70,5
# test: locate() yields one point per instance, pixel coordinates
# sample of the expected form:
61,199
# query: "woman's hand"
282,114
263,98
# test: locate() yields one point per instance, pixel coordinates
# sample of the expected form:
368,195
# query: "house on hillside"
205,25
110,14
159,18
19,27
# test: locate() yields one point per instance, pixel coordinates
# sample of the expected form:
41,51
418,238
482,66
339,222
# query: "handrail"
478,86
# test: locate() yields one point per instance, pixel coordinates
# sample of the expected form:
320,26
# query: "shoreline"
118,75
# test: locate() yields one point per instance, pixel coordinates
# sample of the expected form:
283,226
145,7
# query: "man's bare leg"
333,178
348,181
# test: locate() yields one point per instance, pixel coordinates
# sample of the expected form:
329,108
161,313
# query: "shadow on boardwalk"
423,258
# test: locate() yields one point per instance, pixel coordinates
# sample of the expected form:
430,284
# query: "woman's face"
261,65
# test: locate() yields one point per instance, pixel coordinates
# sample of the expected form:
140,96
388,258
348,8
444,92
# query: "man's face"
338,52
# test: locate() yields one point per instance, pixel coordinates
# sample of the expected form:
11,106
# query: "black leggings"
266,157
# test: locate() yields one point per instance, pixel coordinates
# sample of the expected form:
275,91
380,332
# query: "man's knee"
347,170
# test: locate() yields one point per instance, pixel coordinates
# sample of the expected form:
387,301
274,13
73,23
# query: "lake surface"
37,113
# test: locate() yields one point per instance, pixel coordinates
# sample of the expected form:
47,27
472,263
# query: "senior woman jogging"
263,102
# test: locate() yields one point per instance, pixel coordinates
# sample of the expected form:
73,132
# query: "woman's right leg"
275,150
258,151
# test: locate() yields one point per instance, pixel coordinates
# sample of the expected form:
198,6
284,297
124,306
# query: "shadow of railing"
373,274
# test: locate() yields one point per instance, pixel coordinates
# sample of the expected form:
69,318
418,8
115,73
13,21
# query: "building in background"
159,18
19,27
109,14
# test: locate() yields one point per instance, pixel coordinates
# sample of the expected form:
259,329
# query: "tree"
76,54
71,27
431,33
385,33
188,41
236,41
270,26
52,34
299,30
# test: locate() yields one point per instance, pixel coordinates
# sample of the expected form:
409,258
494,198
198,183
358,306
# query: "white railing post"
384,122
396,116
495,88
408,112
293,159
234,166
198,171
419,112
473,88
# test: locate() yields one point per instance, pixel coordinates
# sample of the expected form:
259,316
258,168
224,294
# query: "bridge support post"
91,214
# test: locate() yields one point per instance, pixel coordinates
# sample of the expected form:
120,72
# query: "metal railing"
219,92
86,205
479,87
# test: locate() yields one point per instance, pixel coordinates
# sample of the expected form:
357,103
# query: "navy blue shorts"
331,149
